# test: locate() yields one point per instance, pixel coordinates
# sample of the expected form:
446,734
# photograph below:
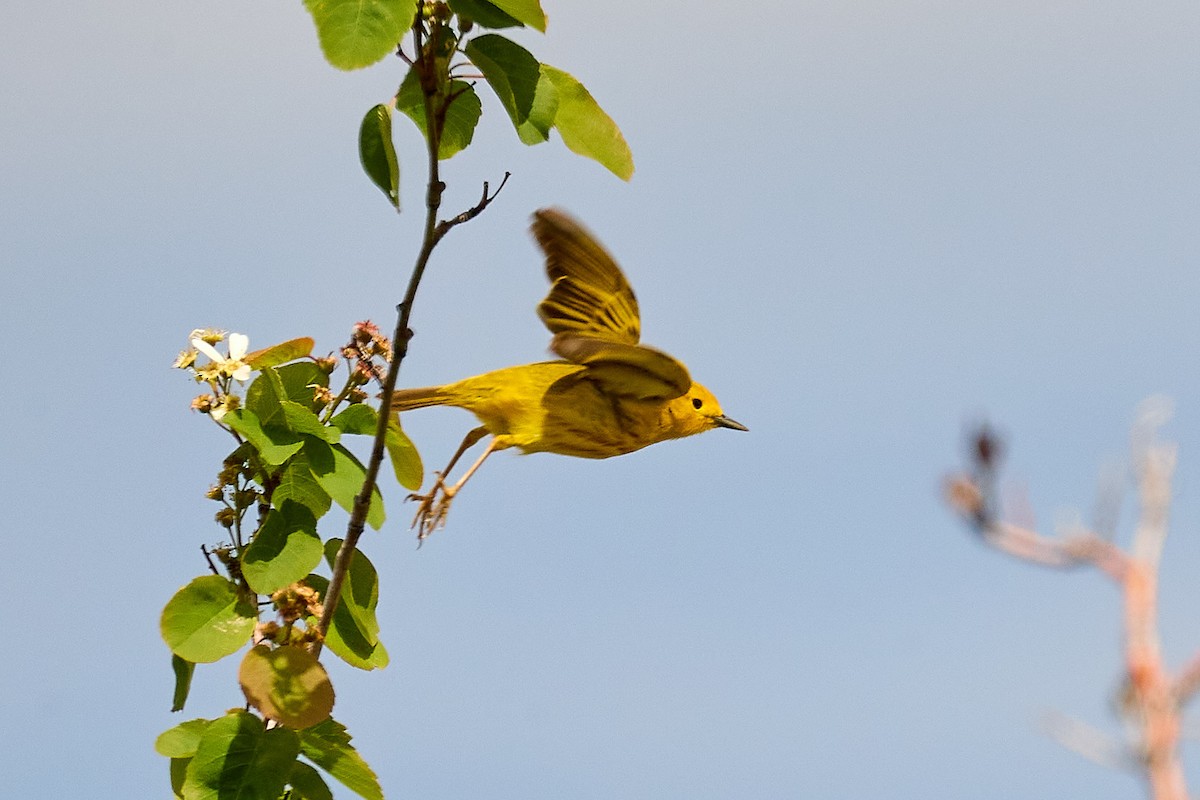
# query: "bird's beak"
726,422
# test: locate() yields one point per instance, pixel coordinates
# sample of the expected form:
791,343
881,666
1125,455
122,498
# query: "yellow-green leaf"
287,684
357,33
208,619
527,11
406,461
280,353
585,128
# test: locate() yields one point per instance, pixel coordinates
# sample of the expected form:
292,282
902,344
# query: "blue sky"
863,225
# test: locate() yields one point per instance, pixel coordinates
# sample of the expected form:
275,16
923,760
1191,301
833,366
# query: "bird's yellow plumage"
609,395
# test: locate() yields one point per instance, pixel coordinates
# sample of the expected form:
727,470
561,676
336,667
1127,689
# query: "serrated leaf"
286,684
377,152
585,128
298,484
183,670
462,115
343,638
238,758
285,549
280,353
356,419
510,70
274,447
328,746
527,11
182,740
341,475
208,619
406,461
485,13
358,33
307,783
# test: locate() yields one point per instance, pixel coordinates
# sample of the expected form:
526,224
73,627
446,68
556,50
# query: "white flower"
231,365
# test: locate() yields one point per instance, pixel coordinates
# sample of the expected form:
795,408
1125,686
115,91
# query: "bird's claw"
432,509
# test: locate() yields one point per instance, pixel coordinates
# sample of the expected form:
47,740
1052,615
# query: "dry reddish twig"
1153,698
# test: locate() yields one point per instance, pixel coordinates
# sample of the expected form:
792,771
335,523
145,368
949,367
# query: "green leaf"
264,397
274,446
536,128
527,11
298,484
406,461
328,746
360,589
485,13
378,153
585,128
280,353
208,619
299,419
238,758
341,475
343,638
299,381
357,33
182,740
307,783
295,382
286,684
179,768
285,549
510,70
183,670
462,115
356,419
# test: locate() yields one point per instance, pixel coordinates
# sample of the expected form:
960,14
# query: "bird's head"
696,412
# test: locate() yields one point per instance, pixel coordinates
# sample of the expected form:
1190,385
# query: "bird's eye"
697,402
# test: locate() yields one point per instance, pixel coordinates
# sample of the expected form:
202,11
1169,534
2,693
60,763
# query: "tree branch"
424,61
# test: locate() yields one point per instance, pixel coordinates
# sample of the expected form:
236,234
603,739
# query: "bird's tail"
408,399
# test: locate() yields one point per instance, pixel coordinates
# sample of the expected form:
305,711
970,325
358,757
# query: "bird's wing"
588,294
593,314
625,370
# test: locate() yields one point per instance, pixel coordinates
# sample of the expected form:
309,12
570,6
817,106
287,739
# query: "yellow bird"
609,395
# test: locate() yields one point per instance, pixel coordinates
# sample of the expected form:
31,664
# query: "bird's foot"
432,508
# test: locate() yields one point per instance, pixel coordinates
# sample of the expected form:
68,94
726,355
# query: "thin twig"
433,233
208,558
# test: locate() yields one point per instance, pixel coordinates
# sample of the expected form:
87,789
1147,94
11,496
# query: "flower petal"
238,342
208,350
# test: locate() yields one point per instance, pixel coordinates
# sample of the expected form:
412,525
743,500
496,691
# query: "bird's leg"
431,513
